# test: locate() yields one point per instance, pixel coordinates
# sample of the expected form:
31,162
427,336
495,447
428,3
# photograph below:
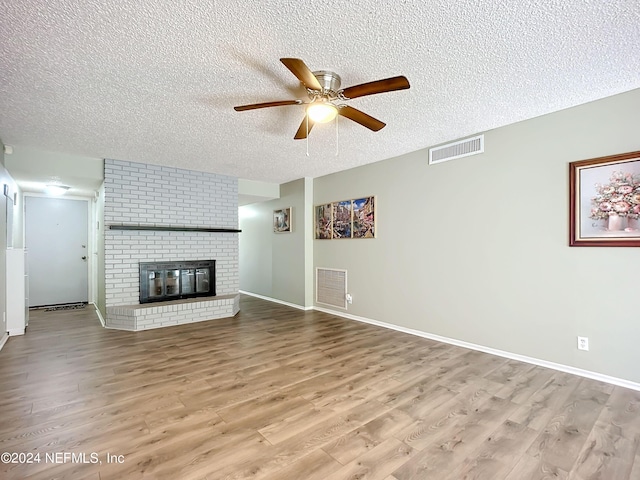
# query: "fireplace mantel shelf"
173,229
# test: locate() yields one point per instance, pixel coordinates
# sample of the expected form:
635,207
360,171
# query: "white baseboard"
621,382
275,300
100,317
16,331
3,340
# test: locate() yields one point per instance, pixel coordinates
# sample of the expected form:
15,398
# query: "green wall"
277,265
476,249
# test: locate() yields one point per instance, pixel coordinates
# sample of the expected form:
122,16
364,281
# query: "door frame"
92,278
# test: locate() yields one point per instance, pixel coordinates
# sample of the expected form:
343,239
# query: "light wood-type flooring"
279,393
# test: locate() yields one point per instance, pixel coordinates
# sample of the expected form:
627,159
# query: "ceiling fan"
325,97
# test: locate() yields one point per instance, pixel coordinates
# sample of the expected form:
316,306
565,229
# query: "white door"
56,236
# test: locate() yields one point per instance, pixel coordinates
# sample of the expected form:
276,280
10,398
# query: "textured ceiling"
156,81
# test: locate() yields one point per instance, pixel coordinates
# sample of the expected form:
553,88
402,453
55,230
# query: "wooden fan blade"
280,103
379,86
302,73
361,118
303,129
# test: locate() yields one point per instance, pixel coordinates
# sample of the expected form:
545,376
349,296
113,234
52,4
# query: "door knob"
84,257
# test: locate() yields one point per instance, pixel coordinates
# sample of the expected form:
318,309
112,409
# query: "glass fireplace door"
160,281
155,284
202,280
188,281
173,283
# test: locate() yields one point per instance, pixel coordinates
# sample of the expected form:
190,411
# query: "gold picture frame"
604,201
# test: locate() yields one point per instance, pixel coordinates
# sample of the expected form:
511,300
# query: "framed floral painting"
604,201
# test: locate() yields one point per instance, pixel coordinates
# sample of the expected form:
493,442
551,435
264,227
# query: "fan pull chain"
337,136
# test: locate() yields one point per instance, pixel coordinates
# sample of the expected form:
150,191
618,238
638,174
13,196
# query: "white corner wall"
477,250
4,178
101,298
17,236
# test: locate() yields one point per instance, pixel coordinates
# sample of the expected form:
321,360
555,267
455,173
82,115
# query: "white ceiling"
156,81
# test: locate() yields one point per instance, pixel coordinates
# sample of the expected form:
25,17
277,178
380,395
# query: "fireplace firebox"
162,281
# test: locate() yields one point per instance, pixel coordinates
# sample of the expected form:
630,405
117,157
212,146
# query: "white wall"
101,298
476,249
275,264
16,228
34,167
4,178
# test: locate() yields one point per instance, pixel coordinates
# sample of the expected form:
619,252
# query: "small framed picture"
341,214
282,220
323,222
364,217
604,201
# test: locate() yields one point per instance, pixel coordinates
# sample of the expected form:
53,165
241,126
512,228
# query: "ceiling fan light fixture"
324,92
322,112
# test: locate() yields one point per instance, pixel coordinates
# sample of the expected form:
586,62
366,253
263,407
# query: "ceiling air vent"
459,149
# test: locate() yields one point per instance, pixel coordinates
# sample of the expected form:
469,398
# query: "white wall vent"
459,149
331,287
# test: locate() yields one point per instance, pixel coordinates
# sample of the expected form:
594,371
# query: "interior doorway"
56,237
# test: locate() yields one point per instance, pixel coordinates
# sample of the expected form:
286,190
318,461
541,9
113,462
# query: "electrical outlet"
583,343
349,298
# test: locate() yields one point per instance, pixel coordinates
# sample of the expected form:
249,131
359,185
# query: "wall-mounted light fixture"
56,190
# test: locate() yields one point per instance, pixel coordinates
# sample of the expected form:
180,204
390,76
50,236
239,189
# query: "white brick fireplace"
141,195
